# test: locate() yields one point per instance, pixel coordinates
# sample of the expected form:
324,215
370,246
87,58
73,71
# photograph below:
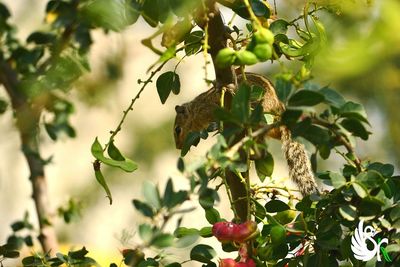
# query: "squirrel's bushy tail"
298,162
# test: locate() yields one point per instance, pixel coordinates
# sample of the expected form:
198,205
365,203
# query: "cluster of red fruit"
239,234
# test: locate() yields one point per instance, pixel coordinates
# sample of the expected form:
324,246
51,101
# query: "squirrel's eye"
178,130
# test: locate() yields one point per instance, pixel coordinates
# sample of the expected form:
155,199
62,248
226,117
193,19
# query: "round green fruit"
225,58
263,51
264,36
265,253
285,217
244,57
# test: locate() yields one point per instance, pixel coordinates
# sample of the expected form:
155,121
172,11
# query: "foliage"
315,230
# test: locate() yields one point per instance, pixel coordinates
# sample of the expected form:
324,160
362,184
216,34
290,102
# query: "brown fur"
197,115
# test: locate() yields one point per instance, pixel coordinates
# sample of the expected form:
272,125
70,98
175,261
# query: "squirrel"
198,114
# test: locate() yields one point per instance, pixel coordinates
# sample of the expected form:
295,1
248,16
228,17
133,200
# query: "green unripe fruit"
225,58
265,253
285,217
263,51
244,57
264,36
278,234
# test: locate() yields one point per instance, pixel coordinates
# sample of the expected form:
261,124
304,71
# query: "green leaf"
18,225
167,82
174,264
207,198
257,93
102,181
149,262
332,97
324,151
387,170
144,208
192,139
145,232
279,26
126,165
260,211
313,133
186,241
171,198
395,213
291,116
370,206
78,254
337,179
292,50
4,12
276,206
348,212
41,38
356,128
168,193
283,89
193,42
14,242
32,261
206,231
114,152
240,103
259,9
212,215
278,235
3,105
264,166
132,257
181,165
150,12
202,253
353,110
370,179
182,8
360,189
11,254
151,194
110,15
306,98
162,240
28,241
183,231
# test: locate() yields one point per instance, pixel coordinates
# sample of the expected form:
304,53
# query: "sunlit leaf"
126,165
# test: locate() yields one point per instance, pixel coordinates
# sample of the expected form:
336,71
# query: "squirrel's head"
181,125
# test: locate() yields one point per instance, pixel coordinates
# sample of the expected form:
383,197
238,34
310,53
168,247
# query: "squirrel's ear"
180,109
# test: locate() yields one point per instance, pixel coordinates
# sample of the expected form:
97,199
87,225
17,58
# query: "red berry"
246,231
224,231
227,263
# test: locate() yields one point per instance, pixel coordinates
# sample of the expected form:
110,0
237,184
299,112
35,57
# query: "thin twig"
235,148
302,16
341,139
130,107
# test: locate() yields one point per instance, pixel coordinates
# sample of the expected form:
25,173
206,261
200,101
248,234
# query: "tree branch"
209,15
27,120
